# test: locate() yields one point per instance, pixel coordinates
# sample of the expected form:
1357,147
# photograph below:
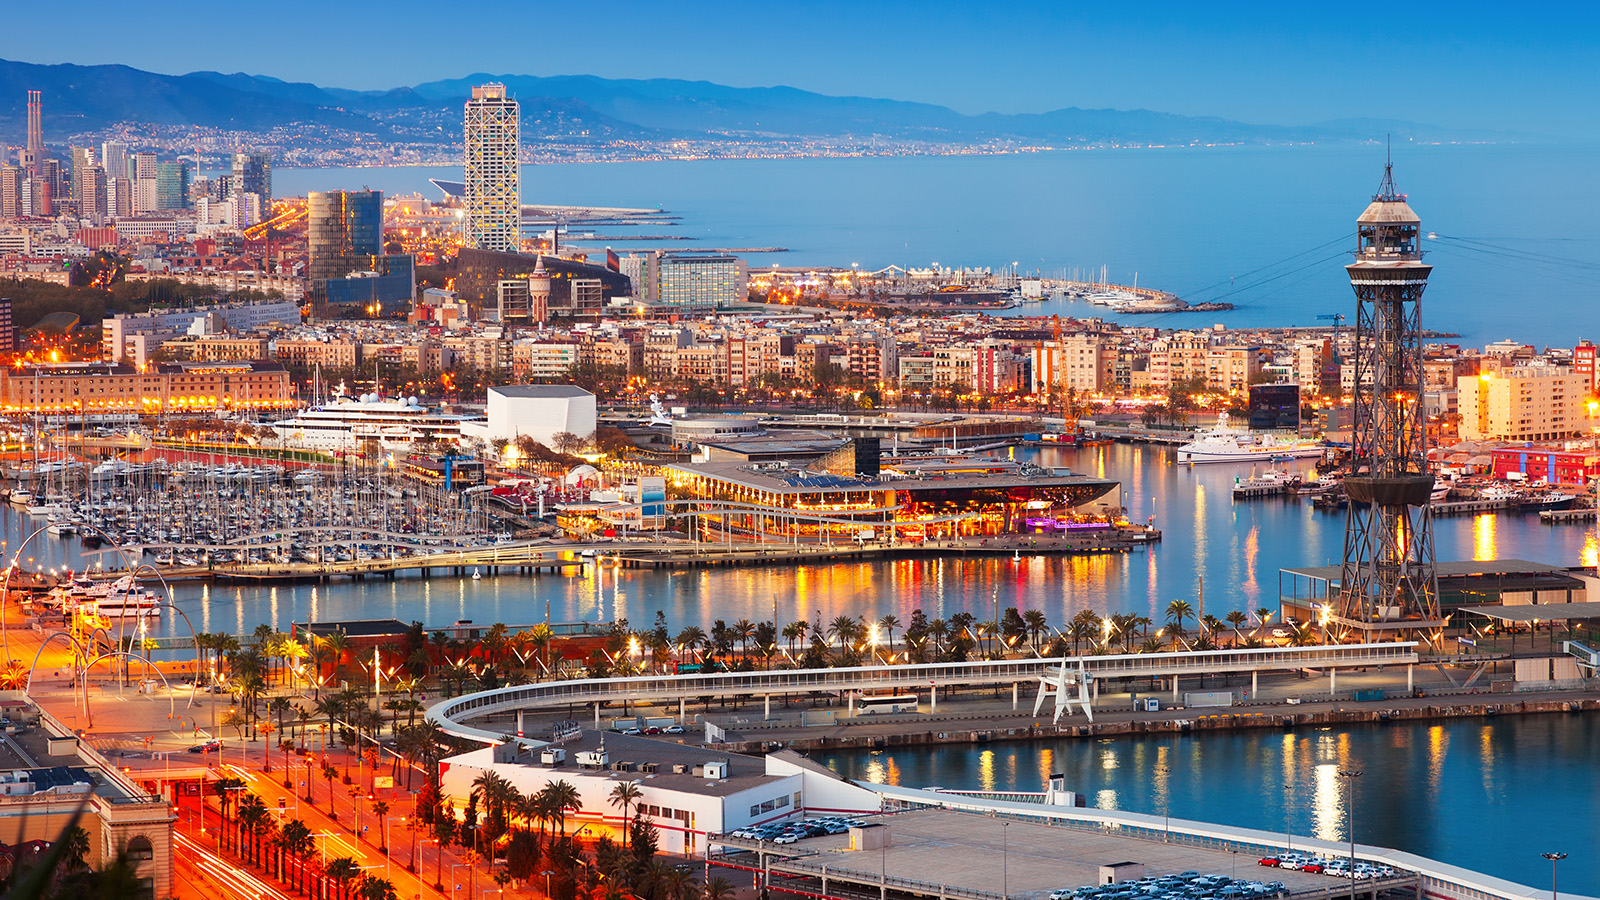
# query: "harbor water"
1488,795
1230,549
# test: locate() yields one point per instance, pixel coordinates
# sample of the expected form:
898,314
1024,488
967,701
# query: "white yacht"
347,423
1225,444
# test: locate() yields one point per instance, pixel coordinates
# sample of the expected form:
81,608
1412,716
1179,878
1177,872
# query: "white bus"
885,703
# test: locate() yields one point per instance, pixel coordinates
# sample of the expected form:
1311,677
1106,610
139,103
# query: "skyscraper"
344,232
90,182
172,185
252,174
1388,584
492,136
114,159
35,149
12,180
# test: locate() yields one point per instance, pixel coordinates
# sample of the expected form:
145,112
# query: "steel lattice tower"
1388,582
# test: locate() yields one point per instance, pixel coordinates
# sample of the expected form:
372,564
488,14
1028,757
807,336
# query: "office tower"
1388,585
35,149
90,185
119,197
144,165
79,158
114,159
344,232
60,178
172,185
494,207
8,328
11,181
252,174
39,196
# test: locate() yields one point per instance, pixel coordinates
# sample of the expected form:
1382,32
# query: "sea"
1510,226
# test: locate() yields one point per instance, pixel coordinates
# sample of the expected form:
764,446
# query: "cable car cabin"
885,703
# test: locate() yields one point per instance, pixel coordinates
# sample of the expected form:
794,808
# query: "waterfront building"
540,411
1083,363
252,174
332,353
698,281
1583,363
344,234
913,496
1526,403
686,792
109,388
492,139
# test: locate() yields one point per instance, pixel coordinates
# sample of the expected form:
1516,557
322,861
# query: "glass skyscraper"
344,230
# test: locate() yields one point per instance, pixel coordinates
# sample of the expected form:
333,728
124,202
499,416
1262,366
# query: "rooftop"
540,391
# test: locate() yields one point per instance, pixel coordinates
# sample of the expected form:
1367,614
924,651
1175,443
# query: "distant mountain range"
82,99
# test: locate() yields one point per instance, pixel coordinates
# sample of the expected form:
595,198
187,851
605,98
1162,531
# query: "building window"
139,849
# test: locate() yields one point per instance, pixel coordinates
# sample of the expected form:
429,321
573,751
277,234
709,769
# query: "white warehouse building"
687,792
540,411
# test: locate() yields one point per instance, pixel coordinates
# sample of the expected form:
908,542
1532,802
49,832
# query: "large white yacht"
1225,444
346,423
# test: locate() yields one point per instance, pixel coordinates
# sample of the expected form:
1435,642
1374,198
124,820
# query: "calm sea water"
1236,548
1182,220
1489,795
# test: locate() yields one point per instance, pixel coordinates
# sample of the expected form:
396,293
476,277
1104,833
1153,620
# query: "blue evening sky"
1532,68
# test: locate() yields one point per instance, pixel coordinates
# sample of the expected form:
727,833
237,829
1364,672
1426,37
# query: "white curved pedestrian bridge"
454,715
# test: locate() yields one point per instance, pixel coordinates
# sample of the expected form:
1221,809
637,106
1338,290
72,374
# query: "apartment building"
1526,403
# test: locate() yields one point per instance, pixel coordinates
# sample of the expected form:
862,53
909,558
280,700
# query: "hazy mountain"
85,98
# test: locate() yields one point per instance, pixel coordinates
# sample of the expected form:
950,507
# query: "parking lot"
1031,861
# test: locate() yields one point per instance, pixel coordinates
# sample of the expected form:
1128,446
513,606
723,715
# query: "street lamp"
1554,858
388,851
546,873
456,884
1005,860
1288,815
1350,805
1161,773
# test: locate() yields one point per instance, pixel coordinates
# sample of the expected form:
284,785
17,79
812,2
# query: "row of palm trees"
286,852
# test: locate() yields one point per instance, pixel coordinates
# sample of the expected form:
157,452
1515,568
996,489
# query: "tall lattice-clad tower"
494,206
1388,584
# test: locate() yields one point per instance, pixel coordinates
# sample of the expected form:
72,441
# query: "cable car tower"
1388,586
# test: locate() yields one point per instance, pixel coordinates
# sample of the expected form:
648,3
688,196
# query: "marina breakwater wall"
970,730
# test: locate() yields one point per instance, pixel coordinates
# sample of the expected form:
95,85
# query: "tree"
1177,612
522,855
342,870
376,889
625,795
380,809
717,888
1237,619
568,443
77,847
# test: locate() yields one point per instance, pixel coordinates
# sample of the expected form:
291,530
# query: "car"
632,731
1268,861
652,730
1314,868
206,747
788,838
674,729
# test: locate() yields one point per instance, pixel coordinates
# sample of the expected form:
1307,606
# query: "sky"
1529,69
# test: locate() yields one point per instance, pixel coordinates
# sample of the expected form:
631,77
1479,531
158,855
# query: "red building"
1551,465
1583,361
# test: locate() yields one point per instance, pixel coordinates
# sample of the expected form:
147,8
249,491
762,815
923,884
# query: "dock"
1553,516
1470,507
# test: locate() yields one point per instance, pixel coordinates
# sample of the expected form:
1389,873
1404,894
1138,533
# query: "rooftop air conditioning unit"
552,756
716,770
597,758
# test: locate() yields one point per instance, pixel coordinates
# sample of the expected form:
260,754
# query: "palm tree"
744,630
1036,624
342,870
1237,620
380,809
1177,611
77,849
253,822
845,629
794,631
563,796
887,625
329,772
625,795
717,888
1262,614
294,839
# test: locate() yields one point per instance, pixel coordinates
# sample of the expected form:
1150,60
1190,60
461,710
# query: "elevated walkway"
452,715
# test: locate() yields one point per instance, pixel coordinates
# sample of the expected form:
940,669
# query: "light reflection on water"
1235,547
1488,795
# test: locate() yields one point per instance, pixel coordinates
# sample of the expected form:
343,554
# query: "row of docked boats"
122,598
